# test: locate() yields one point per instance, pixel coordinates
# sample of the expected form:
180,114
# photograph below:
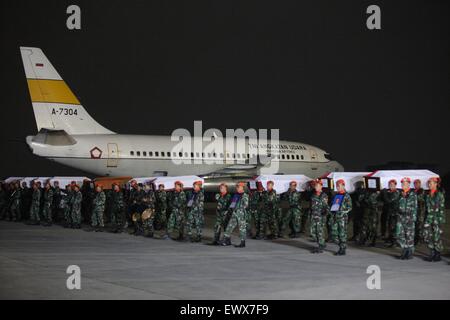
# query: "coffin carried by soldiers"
141,180
12,179
379,180
107,182
352,180
169,182
64,181
280,182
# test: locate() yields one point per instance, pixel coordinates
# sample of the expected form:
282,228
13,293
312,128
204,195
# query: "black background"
310,68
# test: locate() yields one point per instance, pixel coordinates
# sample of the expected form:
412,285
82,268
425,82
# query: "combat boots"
216,241
318,249
241,245
430,258
341,252
437,256
226,241
404,254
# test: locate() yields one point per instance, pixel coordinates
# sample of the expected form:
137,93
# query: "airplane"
67,134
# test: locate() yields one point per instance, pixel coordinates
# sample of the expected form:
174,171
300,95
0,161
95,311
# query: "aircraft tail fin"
54,104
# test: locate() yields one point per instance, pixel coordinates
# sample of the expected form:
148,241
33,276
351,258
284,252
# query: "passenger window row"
208,155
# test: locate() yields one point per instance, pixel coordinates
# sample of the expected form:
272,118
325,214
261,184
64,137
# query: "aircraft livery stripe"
51,91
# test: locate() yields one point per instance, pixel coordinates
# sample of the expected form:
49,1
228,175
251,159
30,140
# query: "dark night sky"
310,68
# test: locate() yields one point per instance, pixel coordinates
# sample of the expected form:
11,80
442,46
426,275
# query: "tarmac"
34,260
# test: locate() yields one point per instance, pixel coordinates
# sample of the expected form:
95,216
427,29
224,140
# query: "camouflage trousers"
369,227
75,215
47,212
316,229
161,217
195,221
404,231
176,221
268,219
292,219
222,219
97,217
255,217
66,211
34,212
419,226
148,226
237,220
339,229
391,225
118,217
15,211
432,233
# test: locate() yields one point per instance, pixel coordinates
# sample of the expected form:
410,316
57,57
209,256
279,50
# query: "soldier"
177,216
195,217
407,214
98,209
319,211
270,212
293,215
357,213
137,209
3,201
75,206
25,200
148,215
223,199
340,217
161,208
238,205
254,210
47,205
420,211
434,219
390,207
86,204
65,206
56,202
35,205
16,203
117,209
369,228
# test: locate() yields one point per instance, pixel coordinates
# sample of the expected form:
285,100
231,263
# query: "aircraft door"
113,155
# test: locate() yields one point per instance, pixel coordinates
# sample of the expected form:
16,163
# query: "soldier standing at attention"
75,206
390,199
98,208
369,229
25,201
65,206
319,211
117,209
16,202
195,217
293,215
223,202
56,201
148,214
407,214
161,208
357,211
254,210
420,211
434,218
340,218
177,215
47,205
35,205
270,212
238,205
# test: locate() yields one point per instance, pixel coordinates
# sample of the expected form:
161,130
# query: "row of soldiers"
408,215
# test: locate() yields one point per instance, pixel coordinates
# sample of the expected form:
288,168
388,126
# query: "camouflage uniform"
148,202
390,199
195,218
56,201
47,206
75,208
223,202
340,222
270,213
407,214
64,205
434,218
161,209
370,217
254,211
319,211
357,213
293,215
118,210
238,205
15,205
35,206
420,215
25,202
98,208
177,215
